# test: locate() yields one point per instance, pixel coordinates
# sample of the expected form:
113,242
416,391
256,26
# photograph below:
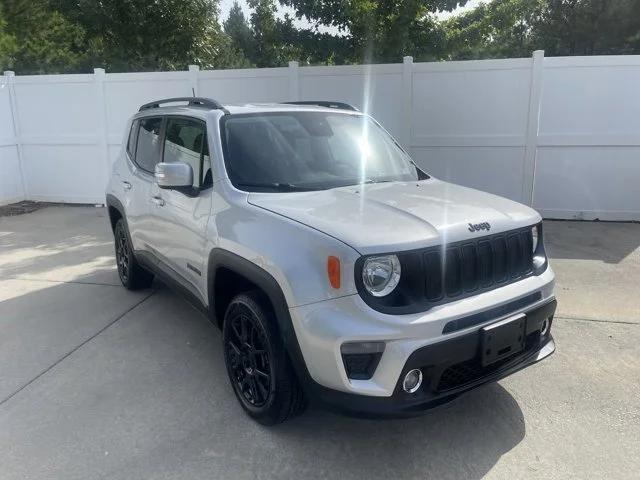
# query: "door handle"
126,185
158,201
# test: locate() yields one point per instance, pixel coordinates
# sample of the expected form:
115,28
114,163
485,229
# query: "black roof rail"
325,103
191,102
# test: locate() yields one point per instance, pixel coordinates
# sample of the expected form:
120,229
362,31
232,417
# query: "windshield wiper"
277,186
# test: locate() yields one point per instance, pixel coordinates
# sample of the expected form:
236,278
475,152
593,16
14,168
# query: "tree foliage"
55,36
515,28
42,40
159,35
380,30
8,45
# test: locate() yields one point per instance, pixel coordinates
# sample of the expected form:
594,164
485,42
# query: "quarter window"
186,141
148,149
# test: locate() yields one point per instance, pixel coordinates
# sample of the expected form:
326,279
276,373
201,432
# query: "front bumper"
443,342
321,328
403,404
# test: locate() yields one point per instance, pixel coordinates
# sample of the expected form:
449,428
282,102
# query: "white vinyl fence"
561,134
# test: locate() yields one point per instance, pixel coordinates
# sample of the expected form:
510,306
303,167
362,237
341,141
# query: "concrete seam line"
597,320
64,281
76,348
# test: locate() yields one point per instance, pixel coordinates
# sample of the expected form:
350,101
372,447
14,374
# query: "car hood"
396,216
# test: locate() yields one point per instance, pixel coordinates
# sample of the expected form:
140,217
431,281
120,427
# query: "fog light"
544,327
412,381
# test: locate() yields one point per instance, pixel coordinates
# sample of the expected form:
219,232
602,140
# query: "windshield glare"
289,151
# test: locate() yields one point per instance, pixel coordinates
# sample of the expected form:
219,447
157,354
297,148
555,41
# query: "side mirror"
174,175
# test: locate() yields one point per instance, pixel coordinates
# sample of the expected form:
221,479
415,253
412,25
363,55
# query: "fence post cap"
407,59
98,71
293,63
194,68
9,73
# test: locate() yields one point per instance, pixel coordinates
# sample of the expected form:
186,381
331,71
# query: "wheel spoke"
234,328
254,389
235,349
243,329
264,391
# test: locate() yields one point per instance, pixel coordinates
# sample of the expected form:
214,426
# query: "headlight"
539,255
381,275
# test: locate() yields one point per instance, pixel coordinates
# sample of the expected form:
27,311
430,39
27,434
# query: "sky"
225,6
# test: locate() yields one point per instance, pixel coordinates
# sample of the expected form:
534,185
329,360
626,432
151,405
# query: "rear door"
180,218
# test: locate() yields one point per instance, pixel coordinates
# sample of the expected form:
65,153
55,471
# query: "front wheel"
257,364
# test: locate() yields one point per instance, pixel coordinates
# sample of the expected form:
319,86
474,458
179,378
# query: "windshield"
295,151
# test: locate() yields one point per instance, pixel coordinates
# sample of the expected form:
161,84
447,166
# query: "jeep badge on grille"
474,227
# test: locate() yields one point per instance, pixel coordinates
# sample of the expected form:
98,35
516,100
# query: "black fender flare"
218,258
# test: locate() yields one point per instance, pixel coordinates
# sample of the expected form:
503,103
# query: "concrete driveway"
99,382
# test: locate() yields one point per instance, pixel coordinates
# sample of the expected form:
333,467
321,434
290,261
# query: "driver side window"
186,141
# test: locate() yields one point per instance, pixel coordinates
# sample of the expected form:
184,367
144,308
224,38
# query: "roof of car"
201,106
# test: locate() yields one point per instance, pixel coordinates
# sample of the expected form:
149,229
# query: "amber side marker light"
333,271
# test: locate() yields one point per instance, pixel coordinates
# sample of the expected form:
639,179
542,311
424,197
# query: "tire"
257,363
132,275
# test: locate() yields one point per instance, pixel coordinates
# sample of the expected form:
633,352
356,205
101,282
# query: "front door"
180,217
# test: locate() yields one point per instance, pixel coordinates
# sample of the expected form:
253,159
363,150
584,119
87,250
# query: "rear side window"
148,145
131,142
186,141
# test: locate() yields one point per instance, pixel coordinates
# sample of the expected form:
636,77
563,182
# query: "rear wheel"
132,275
257,364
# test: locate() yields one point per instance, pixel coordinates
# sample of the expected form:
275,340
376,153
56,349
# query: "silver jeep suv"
338,270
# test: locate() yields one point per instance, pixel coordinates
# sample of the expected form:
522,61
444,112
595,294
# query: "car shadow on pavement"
462,439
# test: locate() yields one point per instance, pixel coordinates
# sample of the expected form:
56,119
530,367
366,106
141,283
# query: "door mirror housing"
177,175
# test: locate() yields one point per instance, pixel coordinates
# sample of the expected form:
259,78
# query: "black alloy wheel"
257,362
248,357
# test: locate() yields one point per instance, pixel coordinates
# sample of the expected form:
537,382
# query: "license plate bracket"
503,339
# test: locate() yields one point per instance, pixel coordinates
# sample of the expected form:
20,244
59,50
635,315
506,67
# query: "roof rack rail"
191,102
324,103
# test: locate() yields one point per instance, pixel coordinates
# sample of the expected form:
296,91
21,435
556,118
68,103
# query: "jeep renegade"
338,271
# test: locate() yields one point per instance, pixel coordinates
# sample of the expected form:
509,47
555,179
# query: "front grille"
446,273
482,264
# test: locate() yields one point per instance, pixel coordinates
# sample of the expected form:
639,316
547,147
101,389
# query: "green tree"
8,45
270,48
588,27
515,28
43,40
500,29
160,35
239,31
381,30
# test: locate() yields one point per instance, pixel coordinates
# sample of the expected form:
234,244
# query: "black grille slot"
469,267
499,245
485,257
453,272
433,277
482,264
